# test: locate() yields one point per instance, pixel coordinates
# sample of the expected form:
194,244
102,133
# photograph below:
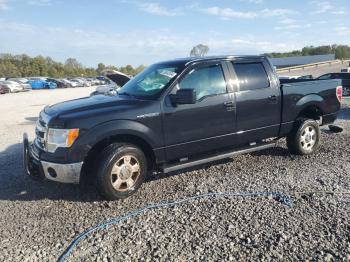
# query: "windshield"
150,82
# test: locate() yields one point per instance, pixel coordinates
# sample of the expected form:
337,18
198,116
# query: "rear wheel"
121,171
305,137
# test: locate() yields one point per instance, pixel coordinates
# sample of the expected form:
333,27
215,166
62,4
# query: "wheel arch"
122,138
311,112
310,106
104,135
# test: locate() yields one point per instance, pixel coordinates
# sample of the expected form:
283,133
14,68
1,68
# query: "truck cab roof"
185,61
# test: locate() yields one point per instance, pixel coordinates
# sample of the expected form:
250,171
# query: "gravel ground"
39,220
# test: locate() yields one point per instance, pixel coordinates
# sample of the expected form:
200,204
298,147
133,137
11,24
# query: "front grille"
40,132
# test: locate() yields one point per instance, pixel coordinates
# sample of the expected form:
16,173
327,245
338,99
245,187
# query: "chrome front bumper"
38,169
63,173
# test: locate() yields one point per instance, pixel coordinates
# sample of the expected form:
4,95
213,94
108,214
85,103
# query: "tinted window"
345,76
251,76
328,76
206,81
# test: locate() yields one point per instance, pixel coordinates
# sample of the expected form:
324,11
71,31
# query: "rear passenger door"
258,101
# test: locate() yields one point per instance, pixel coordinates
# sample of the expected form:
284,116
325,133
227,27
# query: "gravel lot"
38,220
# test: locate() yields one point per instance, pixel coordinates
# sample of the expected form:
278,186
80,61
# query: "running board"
227,154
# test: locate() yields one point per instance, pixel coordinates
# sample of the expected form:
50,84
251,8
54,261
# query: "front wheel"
304,138
121,171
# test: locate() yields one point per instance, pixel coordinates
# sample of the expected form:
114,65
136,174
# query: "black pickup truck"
174,115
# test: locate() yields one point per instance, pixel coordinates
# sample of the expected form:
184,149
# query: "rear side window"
251,76
345,76
324,77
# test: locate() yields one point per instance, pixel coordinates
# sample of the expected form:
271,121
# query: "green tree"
26,66
40,64
199,50
73,64
340,51
128,70
100,68
139,69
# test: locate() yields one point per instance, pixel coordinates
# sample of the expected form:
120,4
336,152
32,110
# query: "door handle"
273,98
229,104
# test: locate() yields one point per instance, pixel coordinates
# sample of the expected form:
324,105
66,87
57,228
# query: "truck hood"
98,102
119,78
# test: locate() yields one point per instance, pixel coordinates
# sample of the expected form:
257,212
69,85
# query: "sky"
120,32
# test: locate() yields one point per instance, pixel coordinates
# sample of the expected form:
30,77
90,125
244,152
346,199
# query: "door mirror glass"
183,97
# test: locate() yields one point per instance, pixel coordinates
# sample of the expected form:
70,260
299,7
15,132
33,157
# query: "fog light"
52,172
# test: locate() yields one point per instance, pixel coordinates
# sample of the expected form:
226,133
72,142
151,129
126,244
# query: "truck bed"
298,95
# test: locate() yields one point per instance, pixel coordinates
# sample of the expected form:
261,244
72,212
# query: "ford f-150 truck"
174,115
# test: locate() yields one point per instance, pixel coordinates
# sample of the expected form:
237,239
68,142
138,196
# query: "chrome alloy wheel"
125,173
308,138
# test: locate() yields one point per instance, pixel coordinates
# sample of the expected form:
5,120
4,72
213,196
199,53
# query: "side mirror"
183,97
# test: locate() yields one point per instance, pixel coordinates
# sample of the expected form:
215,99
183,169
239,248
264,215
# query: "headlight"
60,138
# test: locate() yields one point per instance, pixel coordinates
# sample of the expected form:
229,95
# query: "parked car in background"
19,80
116,80
306,77
85,81
296,77
23,82
88,82
13,86
68,82
59,83
103,80
95,81
4,89
76,82
344,77
288,77
39,83
37,78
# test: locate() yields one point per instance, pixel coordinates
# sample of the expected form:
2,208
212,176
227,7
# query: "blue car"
41,84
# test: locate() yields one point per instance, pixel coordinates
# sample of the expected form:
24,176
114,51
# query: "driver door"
208,124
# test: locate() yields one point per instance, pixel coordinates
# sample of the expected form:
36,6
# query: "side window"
251,76
206,81
328,76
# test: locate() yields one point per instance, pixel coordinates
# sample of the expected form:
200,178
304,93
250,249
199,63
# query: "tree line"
26,66
340,51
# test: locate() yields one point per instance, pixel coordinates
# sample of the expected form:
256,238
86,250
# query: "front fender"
112,128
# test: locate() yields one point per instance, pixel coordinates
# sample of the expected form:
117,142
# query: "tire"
121,170
304,138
